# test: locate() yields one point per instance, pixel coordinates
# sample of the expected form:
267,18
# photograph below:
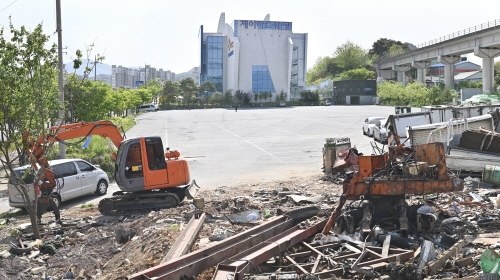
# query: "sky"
164,34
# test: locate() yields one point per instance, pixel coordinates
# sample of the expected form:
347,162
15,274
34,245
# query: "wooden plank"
352,248
186,239
297,265
441,259
385,247
312,248
316,263
302,254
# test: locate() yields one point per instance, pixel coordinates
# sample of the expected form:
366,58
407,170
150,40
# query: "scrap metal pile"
396,215
401,215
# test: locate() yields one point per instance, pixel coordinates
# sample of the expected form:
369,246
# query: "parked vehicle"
402,110
400,122
148,108
379,132
76,177
149,177
368,125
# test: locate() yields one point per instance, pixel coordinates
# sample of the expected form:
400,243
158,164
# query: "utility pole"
62,147
145,71
95,68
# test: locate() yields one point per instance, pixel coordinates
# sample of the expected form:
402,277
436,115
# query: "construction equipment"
149,177
385,180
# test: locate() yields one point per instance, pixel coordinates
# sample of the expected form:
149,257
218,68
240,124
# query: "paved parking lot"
225,147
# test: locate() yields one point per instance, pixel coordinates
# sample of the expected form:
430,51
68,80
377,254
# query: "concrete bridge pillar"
400,70
488,56
449,63
421,66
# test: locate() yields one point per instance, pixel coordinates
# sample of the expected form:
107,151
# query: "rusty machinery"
384,181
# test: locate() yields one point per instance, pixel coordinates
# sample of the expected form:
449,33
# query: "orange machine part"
398,187
368,165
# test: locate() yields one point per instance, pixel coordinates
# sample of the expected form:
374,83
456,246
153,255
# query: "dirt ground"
91,246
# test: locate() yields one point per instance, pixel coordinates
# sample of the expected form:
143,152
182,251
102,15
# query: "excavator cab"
149,177
141,165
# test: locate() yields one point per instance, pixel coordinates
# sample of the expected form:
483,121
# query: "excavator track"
137,203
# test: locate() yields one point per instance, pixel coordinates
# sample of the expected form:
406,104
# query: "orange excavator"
150,178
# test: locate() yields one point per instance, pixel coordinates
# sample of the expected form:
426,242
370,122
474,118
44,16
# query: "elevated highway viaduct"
483,40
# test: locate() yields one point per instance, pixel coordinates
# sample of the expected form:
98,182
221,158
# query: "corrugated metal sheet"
478,140
420,134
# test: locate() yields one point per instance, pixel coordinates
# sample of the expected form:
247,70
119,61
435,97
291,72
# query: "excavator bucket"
192,189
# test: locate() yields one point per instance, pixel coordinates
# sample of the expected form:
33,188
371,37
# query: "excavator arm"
105,129
34,147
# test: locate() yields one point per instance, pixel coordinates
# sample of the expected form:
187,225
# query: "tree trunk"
34,222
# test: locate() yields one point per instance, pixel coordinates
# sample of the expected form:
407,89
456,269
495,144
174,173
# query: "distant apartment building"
193,74
99,73
105,78
123,77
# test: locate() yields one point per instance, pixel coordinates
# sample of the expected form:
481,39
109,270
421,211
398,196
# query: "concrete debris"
444,235
301,198
4,254
220,234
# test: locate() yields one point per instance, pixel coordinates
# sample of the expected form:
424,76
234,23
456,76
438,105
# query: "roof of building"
456,64
466,75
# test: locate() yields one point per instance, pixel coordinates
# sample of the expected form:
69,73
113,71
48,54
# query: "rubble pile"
450,236
87,245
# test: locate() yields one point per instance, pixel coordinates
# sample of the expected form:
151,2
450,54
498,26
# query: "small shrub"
13,232
90,205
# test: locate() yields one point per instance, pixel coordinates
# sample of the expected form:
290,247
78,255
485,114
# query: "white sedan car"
368,125
379,131
76,177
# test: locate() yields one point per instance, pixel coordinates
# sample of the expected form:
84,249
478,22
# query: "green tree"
383,45
358,74
189,89
396,49
85,100
216,98
391,93
283,95
207,87
155,88
144,94
228,97
171,90
496,71
415,94
350,56
309,96
204,90
470,84
239,95
256,96
324,68
129,100
246,98
29,101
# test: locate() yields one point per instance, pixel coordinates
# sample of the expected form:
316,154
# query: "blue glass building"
254,56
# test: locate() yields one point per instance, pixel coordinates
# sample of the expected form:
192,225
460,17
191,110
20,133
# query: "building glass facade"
261,79
254,56
212,63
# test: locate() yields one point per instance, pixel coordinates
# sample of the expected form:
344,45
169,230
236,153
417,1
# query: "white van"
77,177
148,108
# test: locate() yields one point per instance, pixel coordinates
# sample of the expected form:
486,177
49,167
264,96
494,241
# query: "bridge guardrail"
483,26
